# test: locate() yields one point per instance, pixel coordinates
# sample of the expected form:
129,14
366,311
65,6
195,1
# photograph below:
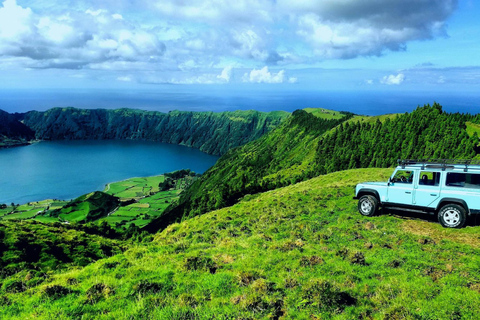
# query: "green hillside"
87,208
13,132
305,146
299,252
211,132
254,167
33,251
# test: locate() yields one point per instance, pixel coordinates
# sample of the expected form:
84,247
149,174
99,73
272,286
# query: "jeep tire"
368,205
452,216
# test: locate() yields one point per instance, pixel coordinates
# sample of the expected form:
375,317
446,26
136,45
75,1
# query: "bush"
326,297
200,263
56,291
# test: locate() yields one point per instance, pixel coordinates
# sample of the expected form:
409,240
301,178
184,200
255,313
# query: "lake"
67,169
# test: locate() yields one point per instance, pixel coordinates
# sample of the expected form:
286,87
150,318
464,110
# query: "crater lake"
65,170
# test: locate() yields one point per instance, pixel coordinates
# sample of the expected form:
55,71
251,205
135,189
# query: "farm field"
142,199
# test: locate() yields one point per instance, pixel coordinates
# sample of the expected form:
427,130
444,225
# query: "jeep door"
400,189
427,188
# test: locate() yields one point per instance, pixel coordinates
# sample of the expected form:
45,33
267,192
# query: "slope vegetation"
302,148
12,131
299,252
38,249
87,208
255,167
211,132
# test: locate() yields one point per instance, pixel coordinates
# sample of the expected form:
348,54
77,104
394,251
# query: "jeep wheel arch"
446,201
371,192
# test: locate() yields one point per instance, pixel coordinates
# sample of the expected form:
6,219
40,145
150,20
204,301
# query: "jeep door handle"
408,192
433,194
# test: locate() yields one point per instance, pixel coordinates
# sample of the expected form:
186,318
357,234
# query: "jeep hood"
374,183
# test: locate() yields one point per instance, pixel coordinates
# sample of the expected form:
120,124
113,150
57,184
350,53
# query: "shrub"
150,287
98,292
326,297
200,263
14,286
310,261
56,291
245,278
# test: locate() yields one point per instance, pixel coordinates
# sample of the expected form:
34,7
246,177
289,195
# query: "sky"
226,46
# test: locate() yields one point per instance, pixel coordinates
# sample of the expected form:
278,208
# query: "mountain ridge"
211,132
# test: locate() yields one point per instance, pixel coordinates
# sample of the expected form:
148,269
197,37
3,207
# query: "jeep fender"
446,201
372,192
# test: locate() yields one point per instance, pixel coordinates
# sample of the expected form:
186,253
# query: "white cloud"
184,36
393,79
264,76
124,79
226,74
15,23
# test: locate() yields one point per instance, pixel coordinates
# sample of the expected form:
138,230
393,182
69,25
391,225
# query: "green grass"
30,210
134,187
325,113
472,128
299,252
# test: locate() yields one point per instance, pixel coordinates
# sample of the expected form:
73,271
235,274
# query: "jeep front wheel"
452,216
368,205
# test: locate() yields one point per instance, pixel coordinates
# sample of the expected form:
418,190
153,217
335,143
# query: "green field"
150,203
325,113
135,187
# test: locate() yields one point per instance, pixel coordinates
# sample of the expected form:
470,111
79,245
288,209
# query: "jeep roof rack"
439,163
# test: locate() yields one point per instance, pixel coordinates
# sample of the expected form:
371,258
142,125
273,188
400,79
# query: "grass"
325,113
134,187
299,252
472,128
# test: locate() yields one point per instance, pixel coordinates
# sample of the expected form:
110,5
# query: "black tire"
368,205
452,216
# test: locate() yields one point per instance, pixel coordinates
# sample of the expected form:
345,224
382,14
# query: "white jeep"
448,188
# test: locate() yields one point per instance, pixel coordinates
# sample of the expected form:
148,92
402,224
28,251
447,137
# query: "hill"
305,146
298,252
87,208
12,131
211,132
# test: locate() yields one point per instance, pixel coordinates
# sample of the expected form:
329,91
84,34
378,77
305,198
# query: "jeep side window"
429,178
463,180
403,176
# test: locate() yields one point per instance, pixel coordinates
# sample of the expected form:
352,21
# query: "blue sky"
411,45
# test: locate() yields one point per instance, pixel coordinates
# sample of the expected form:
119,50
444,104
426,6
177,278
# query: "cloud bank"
169,36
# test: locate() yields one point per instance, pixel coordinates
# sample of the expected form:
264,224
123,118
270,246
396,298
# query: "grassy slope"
88,207
279,158
37,248
302,252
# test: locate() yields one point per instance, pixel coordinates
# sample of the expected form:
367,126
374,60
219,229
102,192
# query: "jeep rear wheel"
452,216
367,205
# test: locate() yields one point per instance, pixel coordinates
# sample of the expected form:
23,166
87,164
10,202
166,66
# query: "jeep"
448,188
